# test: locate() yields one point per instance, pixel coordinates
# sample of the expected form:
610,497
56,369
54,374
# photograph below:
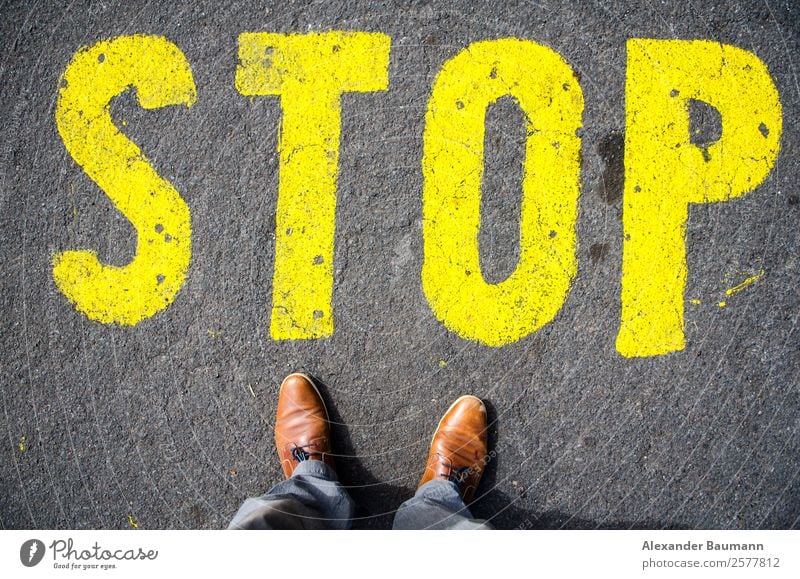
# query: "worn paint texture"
547,91
161,76
665,172
310,72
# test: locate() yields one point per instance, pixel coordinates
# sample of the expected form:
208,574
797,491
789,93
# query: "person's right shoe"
459,449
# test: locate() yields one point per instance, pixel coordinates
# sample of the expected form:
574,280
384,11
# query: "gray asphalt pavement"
167,424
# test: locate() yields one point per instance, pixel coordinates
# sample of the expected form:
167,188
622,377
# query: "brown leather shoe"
458,448
301,424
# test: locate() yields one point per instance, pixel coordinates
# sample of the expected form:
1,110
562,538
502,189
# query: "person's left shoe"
301,424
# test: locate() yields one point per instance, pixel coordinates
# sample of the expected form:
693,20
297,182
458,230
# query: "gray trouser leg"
311,499
436,505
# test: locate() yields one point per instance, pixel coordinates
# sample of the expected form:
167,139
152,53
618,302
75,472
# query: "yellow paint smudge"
161,76
21,446
442,363
695,302
214,333
132,522
665,172
722,304
547,91
309,72
744,284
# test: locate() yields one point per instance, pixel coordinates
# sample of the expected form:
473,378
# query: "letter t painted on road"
310,72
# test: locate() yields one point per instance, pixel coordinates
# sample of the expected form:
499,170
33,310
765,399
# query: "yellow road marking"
310,72
665,172
161,75
548,92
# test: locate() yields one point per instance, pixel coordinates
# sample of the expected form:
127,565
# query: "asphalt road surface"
168,423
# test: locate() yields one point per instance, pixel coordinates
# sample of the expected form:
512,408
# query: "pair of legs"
311,497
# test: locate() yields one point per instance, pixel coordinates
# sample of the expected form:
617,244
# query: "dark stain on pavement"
598,251
705,126
612,150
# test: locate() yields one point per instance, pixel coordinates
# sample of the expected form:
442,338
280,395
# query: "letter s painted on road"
161,75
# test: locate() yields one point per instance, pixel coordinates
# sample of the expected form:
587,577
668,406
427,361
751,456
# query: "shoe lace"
456,474
299,453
